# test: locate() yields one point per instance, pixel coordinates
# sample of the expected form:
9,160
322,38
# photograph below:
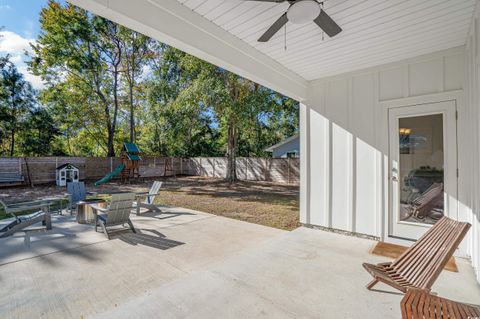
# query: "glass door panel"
421,160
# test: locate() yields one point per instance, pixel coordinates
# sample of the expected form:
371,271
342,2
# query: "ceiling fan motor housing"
303,11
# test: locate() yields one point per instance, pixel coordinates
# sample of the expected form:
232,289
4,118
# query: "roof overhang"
225,33
175,24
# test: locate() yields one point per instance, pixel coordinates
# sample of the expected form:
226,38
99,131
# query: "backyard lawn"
263,203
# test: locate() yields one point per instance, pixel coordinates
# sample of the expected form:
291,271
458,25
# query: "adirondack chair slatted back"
422,263
77,191
153,190
120,208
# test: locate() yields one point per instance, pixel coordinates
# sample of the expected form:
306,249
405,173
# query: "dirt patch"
268,204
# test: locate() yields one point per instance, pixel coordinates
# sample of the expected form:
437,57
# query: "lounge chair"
77,192
422,206
421,264
42,215
117,213
147,200
419,304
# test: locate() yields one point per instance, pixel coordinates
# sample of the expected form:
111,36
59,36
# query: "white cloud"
15,45
12,43
5,7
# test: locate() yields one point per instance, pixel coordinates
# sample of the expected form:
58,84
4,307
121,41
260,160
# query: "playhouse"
131,161
67,173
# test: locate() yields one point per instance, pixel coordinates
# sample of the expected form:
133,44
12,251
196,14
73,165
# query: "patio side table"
85,213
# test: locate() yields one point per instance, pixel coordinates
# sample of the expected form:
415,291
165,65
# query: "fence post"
213,165
288,162
265,167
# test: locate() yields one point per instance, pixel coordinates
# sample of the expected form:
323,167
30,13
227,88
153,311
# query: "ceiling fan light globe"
303,11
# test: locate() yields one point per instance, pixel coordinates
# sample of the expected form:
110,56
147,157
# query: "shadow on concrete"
165,215
155,239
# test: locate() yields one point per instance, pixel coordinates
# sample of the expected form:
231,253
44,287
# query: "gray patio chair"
147,200
117,213
77,192
42,215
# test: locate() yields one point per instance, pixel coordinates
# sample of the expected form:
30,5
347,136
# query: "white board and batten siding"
469,144
344,136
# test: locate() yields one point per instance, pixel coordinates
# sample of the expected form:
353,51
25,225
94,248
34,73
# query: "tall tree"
18,97
137,54
84,52
239,105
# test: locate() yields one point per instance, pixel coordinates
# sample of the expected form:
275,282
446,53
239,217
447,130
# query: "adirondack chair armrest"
141,194
144,195
97,208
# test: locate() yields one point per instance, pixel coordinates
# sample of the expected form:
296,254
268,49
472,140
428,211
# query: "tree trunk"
110,144
231,153
12,143
132,115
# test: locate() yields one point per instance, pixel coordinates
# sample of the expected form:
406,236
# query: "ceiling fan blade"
274,28
327,24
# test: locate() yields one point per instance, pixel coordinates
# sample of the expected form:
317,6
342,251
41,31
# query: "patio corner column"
304,164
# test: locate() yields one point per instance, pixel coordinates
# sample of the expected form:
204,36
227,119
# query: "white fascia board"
172,23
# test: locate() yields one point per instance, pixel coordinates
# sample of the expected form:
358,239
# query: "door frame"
383,119
448,110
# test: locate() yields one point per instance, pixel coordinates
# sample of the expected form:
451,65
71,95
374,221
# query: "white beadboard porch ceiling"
375,32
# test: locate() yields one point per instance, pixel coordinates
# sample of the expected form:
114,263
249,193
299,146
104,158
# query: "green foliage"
39,136
106,84
17,98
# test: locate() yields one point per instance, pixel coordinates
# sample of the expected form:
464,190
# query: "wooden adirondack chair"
147,200
419,304
42,215
117,213
421,264
77,192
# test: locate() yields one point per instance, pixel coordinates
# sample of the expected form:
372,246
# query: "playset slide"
110,175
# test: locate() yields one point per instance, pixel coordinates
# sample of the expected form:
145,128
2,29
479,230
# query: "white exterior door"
423,167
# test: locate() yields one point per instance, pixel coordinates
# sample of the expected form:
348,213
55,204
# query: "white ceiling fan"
300,12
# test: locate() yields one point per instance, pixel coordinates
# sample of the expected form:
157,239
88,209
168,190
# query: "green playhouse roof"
131,148
133,157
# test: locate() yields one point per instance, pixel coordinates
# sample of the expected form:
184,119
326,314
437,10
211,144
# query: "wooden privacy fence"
278,170
42,169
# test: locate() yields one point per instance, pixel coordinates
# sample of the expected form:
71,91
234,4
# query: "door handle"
394,179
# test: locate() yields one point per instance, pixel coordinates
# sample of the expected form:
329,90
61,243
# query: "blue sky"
19,19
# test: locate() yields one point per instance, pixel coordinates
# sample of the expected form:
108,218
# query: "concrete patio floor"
188,264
